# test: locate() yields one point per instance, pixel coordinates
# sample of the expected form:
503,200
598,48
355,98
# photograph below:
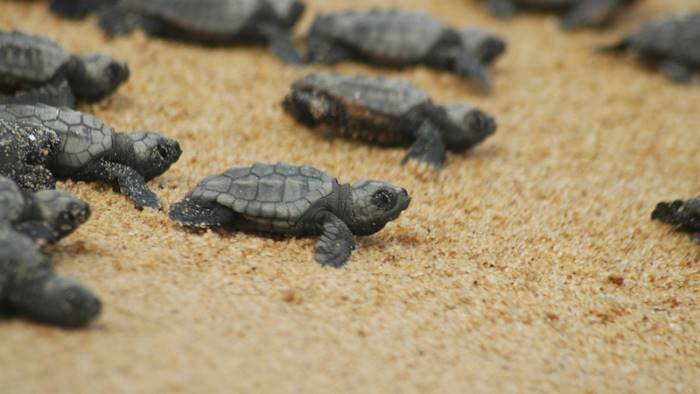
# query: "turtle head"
62,211
63,301
151,154
373,204
467,126
94,76
484,45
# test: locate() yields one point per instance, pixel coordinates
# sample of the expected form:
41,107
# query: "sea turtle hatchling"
671,45
398,38
45,216
91,150
387,112
682,215
211,22
36,69
296,200
30,287
575,13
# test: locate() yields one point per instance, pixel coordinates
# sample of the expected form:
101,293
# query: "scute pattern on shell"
384,95
402,36
267,194
214,16
83,137
677,37
26,58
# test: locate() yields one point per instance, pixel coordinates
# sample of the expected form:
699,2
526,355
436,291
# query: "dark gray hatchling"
682,215
91,150
30,287
211,22
398,38
575,13
35,69
45,216
296,200
671,45
388,112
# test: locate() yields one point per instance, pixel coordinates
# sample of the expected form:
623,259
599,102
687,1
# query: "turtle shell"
677,37
390,35
390,97
84,138
11,201
27,60
272,195
211,16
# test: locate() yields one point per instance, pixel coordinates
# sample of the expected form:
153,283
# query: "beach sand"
527,264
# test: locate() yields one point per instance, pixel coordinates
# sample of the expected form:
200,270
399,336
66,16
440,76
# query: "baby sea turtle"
36,69
45,216
29,286
211,22
682,215
90,150
387,112
575,13
402,38
671,45
297,200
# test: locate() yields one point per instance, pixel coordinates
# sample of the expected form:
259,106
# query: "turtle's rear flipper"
191,214
502,8
670,213
336,243
55,95
472,68
117,20
131,183
280,43
428,147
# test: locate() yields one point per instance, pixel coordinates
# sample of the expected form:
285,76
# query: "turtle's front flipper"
130,182
336,244
675,71
56,95
280,43
502,8
428,146
472,68
192,214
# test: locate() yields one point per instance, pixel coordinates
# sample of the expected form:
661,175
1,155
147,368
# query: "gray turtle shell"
212,16
385,96
677,37
391,35
84,138
274,195
27,60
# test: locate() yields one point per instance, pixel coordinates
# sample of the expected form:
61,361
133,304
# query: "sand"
527,264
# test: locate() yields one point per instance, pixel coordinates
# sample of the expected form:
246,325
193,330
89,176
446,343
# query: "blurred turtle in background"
211,22
77,9
575,13
398,38
671,45
35,69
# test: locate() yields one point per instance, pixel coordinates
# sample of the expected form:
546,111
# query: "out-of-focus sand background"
527,264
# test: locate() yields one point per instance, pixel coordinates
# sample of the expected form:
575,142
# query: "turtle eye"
384,199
